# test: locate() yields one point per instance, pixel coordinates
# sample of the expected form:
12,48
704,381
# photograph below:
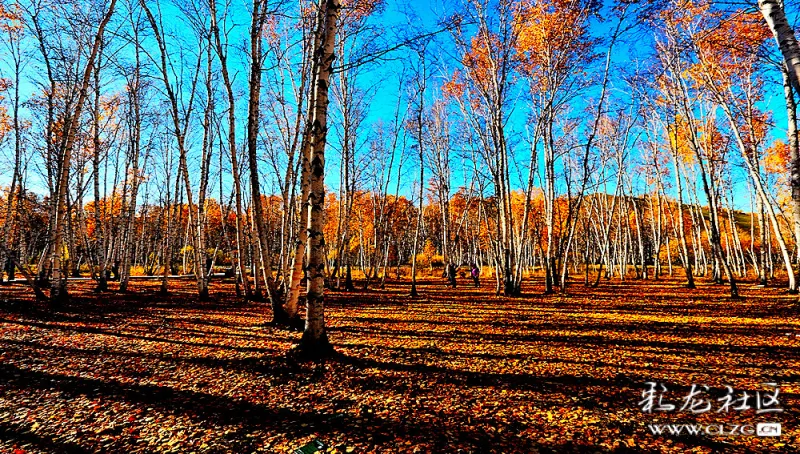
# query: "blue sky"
382,79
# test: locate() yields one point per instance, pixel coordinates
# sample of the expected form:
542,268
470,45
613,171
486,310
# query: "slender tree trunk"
8,250
292,301
315,339
753,168
549,215
421,85
298,260
179,130
775,16
253,111
241,272
58,289
794,156
687,264
134,88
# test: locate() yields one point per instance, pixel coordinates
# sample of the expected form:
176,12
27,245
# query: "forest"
398,226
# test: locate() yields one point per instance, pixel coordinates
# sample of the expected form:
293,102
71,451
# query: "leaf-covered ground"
453,371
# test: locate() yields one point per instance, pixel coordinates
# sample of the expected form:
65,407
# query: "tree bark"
775,16
253,113
58,289
237,185
16,176
180,136
315,342
421,84
794,156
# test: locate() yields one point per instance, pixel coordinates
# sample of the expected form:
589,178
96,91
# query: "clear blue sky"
382,81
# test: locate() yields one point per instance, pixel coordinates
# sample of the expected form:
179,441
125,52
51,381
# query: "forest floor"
453,371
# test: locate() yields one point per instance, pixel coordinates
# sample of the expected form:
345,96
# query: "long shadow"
346,300
609,293
584,340
21,436
444,430
615,304
526,382
251,417
649,372
106,307
654,327
592,391
776,311
270,364
186,331
101,331
215,409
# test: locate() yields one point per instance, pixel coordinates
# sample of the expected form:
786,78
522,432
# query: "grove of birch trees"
294,147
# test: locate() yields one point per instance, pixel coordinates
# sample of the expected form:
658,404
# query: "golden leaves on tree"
552,40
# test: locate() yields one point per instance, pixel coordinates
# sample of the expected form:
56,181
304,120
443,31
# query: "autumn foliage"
460,369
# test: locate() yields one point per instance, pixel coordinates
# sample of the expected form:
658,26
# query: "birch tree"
314,341
58,288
